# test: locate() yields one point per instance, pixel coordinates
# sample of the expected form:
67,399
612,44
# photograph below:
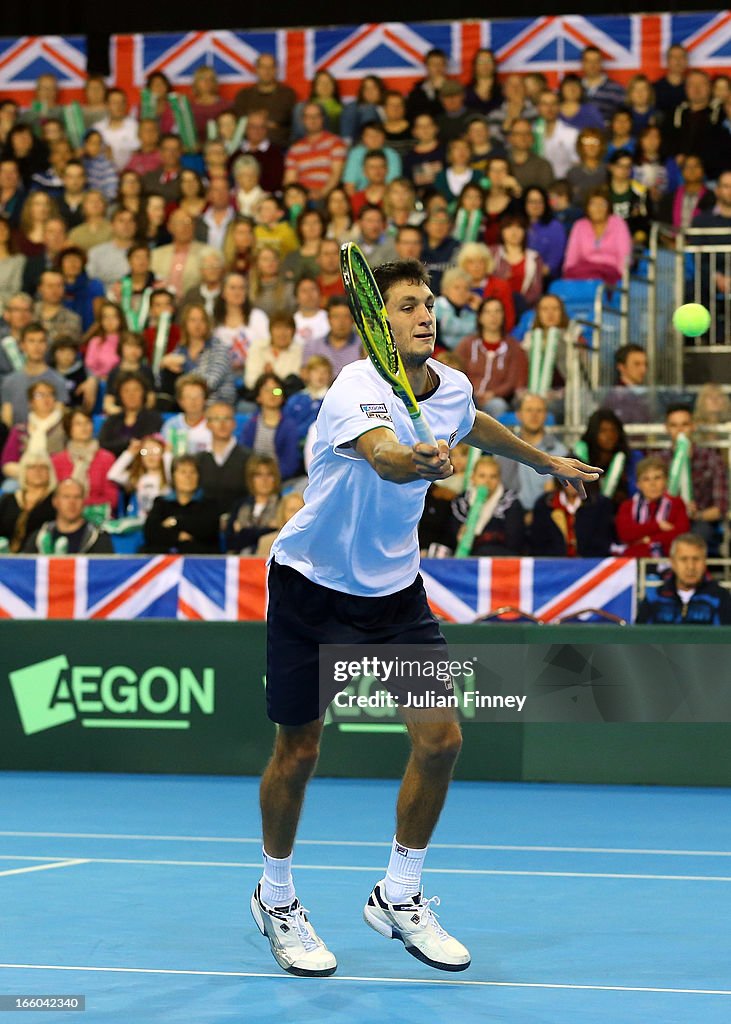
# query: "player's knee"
438,746
296,757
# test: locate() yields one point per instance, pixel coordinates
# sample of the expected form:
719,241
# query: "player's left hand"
571,471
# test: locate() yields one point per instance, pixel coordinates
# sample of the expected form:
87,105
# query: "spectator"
239,245
650,169
29,153
502,198
42,432
311,227
409,242
50,311
598,87
483,92
12,193
573,108
482,146
468,217
520,266
177,265
142,471
375,170
26,509
129,195
103,348
371,236
37,209
34,348
455,308
256,141
546,235
160,88
146,159
551,313
526,166
365,109
341,344
324,91
69,533
12,263
424,96
599,245
248,193
288,506
458,173
559,197
108,261
620,133
630,399
604,439
396,125
670,89
165,180
212,273
629,199
303,406
680,207
135,419
309,316
272,229
329,279
222,467
134,291
516,105
494,362
256,514
339,215
192,193
66,360
499,529
82,295
161,301
85,461
199,352
641,103
131,360
238,324
476,260
316,161
269,291
453,122
268,432
153,222
712,409
281,354
17,314
590,172
72,196
686,595
564,526
183,521
708,506
118,129
555,140
440,249
648,523
271,96
695,124
532,412
101,173
426,158
188,431
54,242
206,102
95,228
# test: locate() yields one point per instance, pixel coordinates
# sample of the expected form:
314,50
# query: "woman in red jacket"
648,523
83,459
495,363
477,261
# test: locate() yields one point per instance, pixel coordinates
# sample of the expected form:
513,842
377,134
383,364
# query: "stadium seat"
577,296
523,325
510,419
98,419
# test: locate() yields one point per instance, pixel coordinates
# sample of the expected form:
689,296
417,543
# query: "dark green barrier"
188,697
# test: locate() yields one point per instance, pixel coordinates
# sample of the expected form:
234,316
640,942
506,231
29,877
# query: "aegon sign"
52,692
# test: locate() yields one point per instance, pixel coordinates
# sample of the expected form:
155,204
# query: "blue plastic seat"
577,296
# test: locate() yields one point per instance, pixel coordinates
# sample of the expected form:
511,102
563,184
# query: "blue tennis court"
580,904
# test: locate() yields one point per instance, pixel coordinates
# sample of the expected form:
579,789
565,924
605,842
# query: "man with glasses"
526,166
223,467
17,314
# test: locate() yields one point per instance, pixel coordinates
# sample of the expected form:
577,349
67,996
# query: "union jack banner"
551,44
230,589
549,588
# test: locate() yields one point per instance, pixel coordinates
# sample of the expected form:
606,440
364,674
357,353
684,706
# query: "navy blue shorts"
301,615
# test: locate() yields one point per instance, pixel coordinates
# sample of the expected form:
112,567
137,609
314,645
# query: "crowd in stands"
173,311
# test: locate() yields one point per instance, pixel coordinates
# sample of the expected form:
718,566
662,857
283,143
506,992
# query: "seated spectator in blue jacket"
303,406
565,526
183,521
269,432
686,595
257,513
83,294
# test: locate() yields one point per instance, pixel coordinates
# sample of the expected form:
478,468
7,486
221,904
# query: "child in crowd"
272,229
131,360
66,360
559,196
455,309
303,407
143,472
106,334
161,301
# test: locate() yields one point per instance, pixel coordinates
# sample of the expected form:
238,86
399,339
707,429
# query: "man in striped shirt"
316,161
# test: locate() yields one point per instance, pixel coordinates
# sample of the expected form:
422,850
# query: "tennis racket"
371,321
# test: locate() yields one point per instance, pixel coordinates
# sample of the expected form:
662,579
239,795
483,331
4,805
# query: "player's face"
410,308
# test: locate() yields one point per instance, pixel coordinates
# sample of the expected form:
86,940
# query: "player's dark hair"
389,274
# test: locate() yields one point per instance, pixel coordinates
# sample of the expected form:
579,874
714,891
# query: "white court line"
390,981
39,867
351,867
359,842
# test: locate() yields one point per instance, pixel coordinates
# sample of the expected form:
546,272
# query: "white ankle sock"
277,887
403,875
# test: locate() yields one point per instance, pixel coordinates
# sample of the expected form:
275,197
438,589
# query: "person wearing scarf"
648,523
565,526
43,433
82,459
499,527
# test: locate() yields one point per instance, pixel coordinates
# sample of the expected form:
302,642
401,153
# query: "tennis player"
345,569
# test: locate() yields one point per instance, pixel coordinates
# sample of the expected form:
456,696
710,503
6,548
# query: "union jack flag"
463,590
23,60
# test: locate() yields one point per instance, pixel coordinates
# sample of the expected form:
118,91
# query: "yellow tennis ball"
692,319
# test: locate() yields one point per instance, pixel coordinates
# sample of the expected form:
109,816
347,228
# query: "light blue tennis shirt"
356,532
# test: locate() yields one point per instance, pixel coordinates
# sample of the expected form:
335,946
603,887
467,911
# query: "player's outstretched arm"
401,464
493,437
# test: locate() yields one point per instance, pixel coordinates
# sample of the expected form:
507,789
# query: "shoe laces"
429,917
302,928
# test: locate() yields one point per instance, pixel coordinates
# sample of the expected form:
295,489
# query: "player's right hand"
432,463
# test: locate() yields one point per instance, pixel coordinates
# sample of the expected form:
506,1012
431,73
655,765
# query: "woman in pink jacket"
600,244
102,351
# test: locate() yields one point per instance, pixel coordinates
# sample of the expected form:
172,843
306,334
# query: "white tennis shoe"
295,944
416,925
